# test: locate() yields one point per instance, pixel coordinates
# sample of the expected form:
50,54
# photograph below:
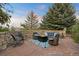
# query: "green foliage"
4,15
68,30
75,33
3,29
60,15
25,26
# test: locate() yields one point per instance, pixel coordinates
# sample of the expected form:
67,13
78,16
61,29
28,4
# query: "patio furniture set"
50,38
16,38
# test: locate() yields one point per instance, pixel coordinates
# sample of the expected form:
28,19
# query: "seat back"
36,35
52,35
17,36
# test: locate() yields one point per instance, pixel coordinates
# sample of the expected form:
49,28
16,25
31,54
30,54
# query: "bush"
3,29
69,30
75,33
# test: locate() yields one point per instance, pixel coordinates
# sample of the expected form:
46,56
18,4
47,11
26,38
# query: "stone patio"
66,47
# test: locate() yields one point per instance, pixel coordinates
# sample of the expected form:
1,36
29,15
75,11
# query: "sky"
20,11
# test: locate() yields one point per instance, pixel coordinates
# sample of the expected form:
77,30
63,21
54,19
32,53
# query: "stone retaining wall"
3,40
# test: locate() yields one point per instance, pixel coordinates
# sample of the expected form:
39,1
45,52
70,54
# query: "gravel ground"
66,47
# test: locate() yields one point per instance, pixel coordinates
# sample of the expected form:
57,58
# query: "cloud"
77,14
41,7
17,21
20,13
18,17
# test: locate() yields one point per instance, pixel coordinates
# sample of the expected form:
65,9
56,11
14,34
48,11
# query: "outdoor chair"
50,35
36,35
35,38
53,38
17,38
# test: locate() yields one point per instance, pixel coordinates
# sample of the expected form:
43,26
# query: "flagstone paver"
66,47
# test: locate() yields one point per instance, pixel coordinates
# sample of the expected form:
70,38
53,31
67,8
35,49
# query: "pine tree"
31,21
4,13
59,16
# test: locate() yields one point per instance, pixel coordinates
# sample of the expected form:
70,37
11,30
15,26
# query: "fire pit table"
40,40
